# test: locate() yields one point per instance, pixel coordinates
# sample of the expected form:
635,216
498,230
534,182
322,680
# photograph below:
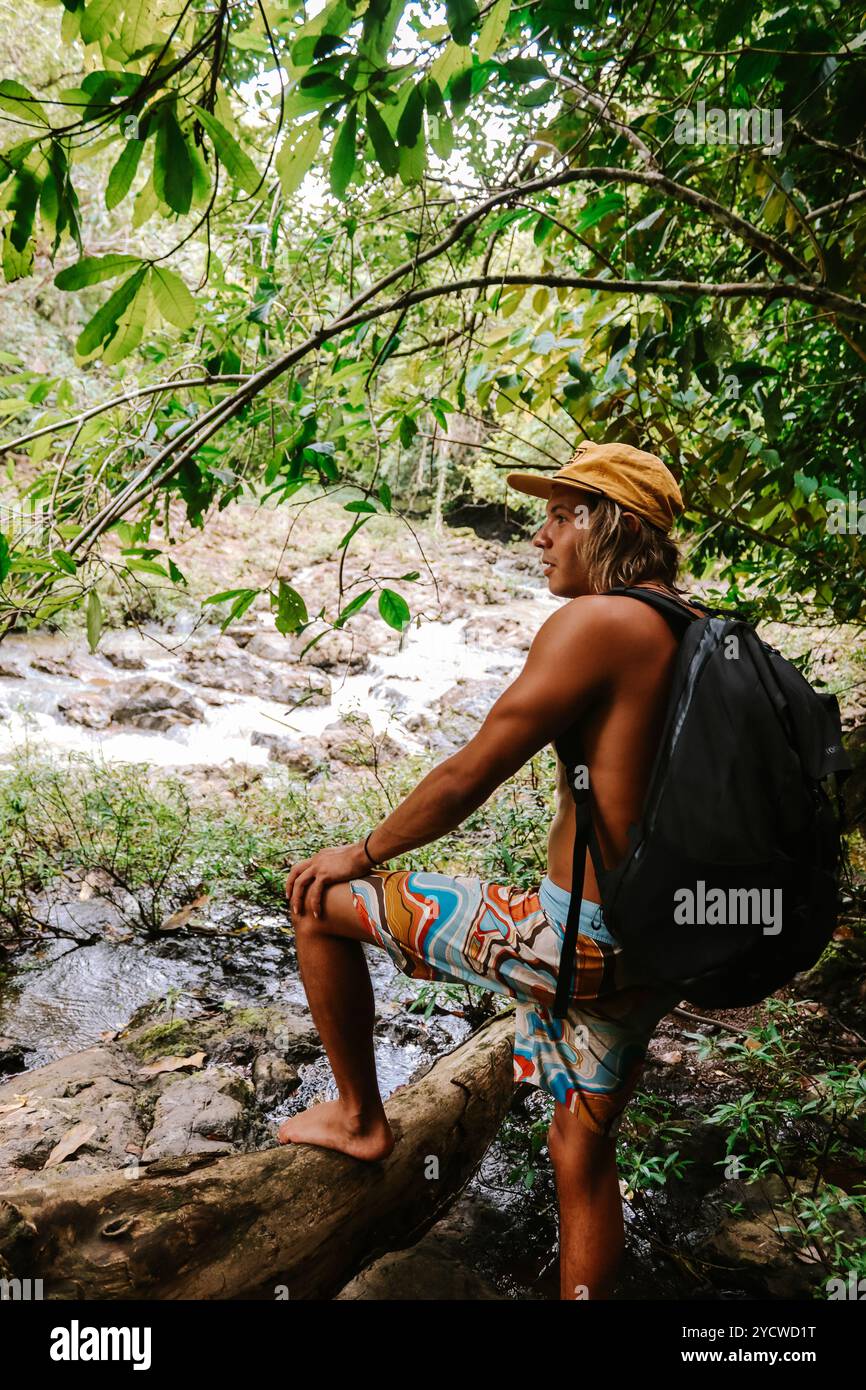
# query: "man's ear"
631,522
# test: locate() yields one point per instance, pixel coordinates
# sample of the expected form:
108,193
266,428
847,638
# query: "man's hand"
308,880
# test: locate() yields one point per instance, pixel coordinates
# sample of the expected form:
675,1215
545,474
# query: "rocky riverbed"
123,1052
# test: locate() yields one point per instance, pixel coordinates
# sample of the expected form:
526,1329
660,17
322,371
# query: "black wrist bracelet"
366,850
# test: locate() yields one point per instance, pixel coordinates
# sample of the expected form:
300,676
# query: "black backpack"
730,883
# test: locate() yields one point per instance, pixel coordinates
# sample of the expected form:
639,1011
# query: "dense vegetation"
330,247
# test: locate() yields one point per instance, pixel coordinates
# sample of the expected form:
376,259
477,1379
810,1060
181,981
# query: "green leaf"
413,161
492,30
461,16
385,496
138,26
91,269
226,594
522,70
239,165
394,609
18,101
409,124
343,155
105,320
98,18
176,574
122,173
806,484
294,160
94,619
602,207
360,506
240,606
383,145
172,168
408,430
6,559
64,561
173,299
291,609
324,85
201,183
147,567
543,227
356,603
255,43
23,199
15,263
130,327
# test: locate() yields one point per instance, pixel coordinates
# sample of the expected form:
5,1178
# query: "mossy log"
292,1221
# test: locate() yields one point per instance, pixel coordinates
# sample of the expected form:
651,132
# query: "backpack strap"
671,608
584,837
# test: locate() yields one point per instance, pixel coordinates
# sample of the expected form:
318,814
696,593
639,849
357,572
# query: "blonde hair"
613,554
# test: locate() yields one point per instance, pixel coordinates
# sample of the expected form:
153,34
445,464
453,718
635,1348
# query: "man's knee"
337,916
306,925
574,1145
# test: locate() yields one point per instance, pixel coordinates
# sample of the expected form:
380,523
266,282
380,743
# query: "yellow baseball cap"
632,477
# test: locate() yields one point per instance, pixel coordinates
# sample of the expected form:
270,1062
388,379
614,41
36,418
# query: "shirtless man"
599,667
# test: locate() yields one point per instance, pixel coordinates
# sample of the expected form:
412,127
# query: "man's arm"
567,668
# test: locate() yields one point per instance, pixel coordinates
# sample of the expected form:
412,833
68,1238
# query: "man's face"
561,539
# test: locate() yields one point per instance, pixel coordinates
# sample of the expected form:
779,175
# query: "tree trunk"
294,1222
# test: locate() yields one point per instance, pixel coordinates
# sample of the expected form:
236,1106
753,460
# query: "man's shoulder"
606,617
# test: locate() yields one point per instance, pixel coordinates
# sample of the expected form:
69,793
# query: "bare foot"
330,1126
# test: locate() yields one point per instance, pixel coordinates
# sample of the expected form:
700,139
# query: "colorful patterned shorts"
462,928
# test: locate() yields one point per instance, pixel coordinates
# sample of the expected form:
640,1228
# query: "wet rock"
91,709
11,671
500,630
124,660
274,1078
147,703
291,752
248,675
206,1113
439,1266
347,650
204,783
752,1244
418,1274
270,646
461,711
417,723
141,701
95,1089
236,1035
389,695
243,632
11,1056
53,666
355,743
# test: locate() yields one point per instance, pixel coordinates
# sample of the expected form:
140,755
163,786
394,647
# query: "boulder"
92,709
208,1113
85,1101
249,675
426,1272
303,757
148,703
753,1244
355,743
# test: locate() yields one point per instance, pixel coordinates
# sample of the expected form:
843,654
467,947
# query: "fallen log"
288,1222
